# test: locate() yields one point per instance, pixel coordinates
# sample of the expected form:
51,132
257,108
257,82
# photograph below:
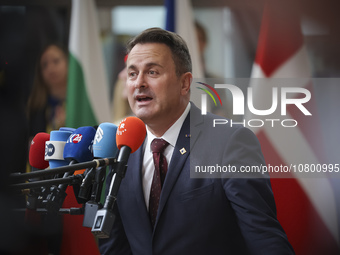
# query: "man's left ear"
186,80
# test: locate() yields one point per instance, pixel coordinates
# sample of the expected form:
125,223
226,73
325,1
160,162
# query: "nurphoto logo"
239,103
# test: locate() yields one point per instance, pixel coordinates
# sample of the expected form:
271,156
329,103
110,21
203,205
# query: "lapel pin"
182,151
189,135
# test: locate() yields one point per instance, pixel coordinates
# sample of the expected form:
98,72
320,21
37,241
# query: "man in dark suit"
232,214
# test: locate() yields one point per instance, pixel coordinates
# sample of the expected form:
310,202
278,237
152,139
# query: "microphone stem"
67,174
62,169
30,185
115,184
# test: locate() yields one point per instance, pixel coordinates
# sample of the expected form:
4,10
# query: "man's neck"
158,129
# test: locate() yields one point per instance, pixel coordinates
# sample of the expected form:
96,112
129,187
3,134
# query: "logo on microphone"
99,135
49,149
121,127
76,138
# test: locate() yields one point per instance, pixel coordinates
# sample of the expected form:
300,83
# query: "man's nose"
140,81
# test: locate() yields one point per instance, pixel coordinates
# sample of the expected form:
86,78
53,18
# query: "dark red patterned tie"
158,146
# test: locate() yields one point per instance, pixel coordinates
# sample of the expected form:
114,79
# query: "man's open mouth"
143,98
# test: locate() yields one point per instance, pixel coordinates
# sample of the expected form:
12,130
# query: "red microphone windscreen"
131,132
37,151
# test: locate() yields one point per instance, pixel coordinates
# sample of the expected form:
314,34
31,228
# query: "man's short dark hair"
178,47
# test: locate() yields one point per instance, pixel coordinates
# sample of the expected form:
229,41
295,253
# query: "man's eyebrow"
131,67
148,65
153,64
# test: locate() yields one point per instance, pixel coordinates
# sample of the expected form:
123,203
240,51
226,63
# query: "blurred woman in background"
46,105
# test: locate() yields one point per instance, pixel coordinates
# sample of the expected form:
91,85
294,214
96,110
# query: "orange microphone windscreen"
131,132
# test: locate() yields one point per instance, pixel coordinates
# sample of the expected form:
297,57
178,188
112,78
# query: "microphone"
37,151
104,146
55,148
130,136
78,148
67,129
37,161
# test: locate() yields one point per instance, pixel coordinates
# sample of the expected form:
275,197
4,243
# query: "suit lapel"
135,166
186,140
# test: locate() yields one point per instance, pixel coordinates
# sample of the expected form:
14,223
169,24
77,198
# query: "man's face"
155,93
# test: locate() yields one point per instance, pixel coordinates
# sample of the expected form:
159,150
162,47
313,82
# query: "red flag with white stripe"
306,206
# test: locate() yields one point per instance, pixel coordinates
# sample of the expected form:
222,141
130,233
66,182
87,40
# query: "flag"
87,101
180,19
306,206
87,104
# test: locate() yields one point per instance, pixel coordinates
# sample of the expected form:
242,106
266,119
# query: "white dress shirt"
170,136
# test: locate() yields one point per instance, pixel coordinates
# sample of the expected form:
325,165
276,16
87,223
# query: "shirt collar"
172,133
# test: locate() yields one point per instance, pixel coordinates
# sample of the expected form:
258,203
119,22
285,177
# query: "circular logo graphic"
49,150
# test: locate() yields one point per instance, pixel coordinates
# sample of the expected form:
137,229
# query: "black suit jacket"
226,215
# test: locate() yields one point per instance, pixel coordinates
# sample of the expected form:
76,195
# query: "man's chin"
144,115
